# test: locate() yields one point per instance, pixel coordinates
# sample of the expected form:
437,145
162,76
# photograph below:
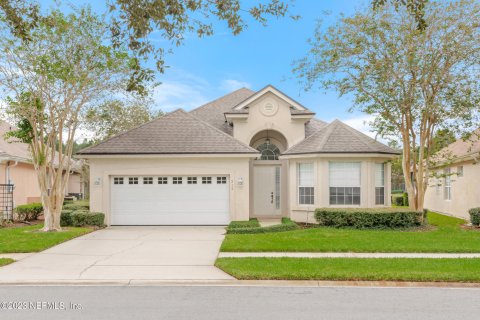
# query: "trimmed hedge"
27,212
76,207
66,218
286,225
367,218
86,218
252,223
475,216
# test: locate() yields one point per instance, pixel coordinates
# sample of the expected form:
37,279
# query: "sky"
204,69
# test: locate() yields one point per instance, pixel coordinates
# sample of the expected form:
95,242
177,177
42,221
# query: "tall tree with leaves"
50,80
414,81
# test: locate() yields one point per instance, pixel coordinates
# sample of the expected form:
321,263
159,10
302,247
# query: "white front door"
170,200
266,190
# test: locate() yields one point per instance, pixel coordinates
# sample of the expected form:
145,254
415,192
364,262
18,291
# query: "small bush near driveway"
252,223
28,212
475,216
286,225
367,218
86,218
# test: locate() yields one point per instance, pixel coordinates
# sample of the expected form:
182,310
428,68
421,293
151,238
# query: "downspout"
7,171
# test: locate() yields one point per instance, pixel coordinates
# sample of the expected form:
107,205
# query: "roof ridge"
129,130
220,131
215,100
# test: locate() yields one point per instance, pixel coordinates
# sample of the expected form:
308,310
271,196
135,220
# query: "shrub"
66,218
76,207
252,223
366,218
27,212
405,199
475,216
398,201
86,218
286,225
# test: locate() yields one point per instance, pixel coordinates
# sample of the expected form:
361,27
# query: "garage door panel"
170,204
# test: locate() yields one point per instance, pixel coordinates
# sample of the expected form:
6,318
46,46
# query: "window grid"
305,182
118,180
192,180
345,182
447,187
177,180
379,183
162,180
221,180
345,195
133,180
147,180
206,180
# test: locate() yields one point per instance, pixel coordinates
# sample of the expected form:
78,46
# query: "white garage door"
170,200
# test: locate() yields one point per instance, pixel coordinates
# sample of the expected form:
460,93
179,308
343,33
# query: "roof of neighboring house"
17,151
337,137
460,148
178,132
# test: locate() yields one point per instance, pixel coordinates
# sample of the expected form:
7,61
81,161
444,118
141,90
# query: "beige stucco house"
18,180
247,154
455,187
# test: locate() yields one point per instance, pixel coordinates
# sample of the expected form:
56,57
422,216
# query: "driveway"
127,253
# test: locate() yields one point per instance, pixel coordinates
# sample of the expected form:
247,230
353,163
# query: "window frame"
162,180
351,190
447,184
133,180
177,180
207,180
311,188
222,180
376,187
192,180
118,181
147,180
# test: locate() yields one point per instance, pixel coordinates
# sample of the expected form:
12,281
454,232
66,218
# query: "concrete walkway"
126,253
345,255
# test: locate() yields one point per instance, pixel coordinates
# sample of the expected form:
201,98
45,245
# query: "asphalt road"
197,303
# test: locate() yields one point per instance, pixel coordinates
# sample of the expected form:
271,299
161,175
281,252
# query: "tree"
116,116
414,7
414,81
65,67
132,22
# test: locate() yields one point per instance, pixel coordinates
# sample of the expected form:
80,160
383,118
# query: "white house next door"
169,200
266,190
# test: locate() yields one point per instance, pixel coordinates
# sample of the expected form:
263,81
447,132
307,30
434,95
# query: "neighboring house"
16,169
455,189
247,154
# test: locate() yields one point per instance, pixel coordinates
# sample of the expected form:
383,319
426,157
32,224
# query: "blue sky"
204,69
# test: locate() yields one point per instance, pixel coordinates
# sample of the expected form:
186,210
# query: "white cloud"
232,85
171,95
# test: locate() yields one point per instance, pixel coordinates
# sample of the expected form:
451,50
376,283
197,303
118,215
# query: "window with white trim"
192,180
162,180
447,186
118,180
379,183
221,180
147,180
306,183
344,183
177,180
206,180
133,180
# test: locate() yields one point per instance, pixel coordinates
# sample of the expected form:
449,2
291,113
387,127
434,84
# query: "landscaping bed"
446,236
367,269
253,227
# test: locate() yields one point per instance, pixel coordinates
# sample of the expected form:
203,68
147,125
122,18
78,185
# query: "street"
211,302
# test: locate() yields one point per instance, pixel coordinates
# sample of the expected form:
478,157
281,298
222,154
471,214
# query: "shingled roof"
337,137
175,133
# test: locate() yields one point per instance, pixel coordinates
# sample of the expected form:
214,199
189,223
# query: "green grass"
28,239
5,261
252,223
462,270
447,236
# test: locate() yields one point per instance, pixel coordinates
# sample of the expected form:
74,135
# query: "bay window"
344,181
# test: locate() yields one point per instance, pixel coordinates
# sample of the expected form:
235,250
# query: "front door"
266,192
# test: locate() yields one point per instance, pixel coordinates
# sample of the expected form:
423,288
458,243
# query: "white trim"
269,89
314,183
338,155
186,155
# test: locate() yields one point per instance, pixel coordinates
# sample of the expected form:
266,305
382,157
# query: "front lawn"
447,236
5,261
29,239
462,270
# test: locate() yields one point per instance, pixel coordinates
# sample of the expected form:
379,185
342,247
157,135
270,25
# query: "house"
454,188
247,154
16,169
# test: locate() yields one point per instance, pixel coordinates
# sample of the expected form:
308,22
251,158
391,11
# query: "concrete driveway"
127,253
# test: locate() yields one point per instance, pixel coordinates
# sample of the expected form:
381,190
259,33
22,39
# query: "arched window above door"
269,151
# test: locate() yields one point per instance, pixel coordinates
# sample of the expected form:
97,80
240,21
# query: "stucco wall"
465,192
102,169
25,180
292,129
305,213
